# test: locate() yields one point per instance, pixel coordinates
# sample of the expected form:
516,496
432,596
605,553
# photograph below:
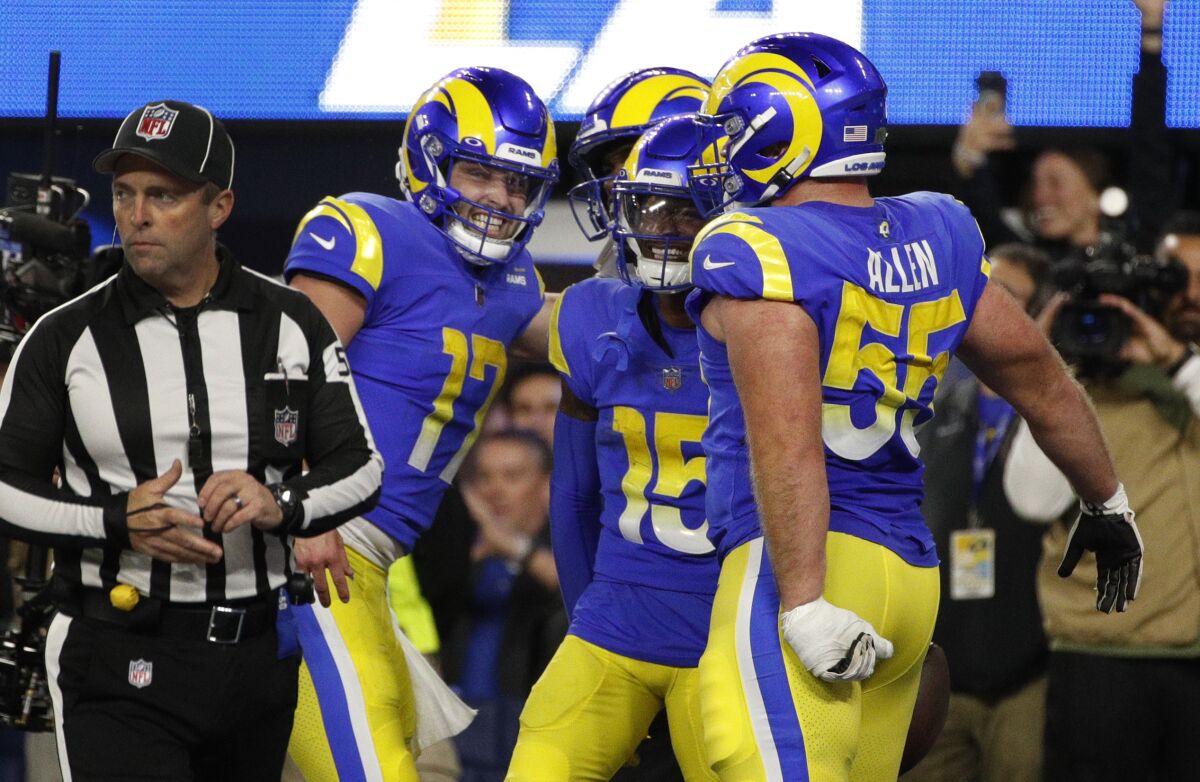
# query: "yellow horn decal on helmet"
714,153
776,274
743,67
632,161
550,148
784,76
807,125
472,110
415,185
636,106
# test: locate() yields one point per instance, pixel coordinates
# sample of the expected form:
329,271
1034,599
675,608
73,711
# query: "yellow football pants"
355,714
591,708
766,717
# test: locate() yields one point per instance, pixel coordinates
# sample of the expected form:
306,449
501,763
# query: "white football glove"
834,644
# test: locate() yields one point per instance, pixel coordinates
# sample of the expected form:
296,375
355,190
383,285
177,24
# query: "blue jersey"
891,289
431,353
655,571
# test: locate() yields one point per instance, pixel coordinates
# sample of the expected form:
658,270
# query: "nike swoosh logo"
708,263
326,243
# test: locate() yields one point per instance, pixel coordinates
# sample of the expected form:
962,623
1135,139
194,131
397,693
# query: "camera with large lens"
24,689
43,249
1092,333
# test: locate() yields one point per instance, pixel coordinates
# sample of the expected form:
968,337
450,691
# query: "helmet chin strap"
784,176
672,272
490,250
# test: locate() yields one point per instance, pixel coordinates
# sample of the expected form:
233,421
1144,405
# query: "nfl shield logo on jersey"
141,672
287,421
672,378
156,122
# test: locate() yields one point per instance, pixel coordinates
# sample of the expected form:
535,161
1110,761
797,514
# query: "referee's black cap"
185,139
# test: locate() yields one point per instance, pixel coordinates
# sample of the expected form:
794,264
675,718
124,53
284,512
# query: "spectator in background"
1123,698
514,618
533,395
988,623
1061,200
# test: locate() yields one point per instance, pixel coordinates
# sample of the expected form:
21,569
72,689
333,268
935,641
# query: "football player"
428,295
612,123
825,324
627,495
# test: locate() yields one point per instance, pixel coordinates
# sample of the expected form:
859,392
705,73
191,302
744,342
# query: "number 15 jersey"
891,289
655,573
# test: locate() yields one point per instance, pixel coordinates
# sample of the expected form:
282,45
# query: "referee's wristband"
116,523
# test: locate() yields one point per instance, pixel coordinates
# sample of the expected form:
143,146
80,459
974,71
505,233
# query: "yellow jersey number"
671,431
849,356
467,358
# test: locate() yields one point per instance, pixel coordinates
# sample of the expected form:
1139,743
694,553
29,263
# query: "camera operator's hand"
1045,319
160,531
1149,342
986,132
1110,531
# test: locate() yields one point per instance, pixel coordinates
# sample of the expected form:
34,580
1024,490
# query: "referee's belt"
223,623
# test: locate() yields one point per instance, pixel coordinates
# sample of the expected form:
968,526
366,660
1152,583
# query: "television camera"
44,248
1091,333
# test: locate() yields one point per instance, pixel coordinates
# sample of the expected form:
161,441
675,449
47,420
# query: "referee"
178,401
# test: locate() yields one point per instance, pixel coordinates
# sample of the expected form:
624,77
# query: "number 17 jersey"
431,353
891,289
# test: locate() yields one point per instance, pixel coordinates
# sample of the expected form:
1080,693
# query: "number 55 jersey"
891,289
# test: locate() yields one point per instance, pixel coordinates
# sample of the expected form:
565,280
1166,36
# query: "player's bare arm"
773,352
1007,351
533,343
342,306
345,309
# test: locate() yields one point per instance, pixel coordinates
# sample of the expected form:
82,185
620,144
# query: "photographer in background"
1123,699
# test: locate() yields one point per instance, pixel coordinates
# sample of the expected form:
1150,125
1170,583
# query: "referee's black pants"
144,706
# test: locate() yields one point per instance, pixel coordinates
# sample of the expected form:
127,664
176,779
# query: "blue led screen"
1068,62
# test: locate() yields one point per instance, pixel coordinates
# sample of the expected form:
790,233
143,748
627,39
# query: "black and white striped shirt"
113,386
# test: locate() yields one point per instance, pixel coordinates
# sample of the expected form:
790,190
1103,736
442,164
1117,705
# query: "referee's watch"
289,505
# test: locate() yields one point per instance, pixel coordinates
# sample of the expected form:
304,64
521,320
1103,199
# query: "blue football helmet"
656,218
615,119
794,105
481,130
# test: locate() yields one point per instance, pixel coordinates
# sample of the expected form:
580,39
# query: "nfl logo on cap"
156,122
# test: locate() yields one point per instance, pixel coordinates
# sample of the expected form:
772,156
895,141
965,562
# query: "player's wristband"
523,553
1117,505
